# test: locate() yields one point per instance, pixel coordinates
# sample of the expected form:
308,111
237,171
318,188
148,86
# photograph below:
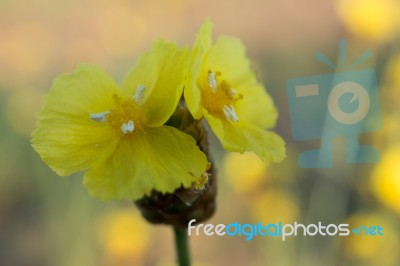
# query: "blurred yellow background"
51,220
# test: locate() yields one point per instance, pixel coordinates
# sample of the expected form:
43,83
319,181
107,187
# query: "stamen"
212,82
230,113
99,117
201,183
139,93
233,92
128,127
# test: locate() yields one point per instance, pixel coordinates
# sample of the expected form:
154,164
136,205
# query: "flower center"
219,98
125,116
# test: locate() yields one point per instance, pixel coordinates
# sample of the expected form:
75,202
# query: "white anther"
233,92
212,82
139,93
230,113
128,127
99,117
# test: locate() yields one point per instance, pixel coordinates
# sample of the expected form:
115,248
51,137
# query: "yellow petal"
162,72
242,136
162,159
228,56
201,46
256,106
66,138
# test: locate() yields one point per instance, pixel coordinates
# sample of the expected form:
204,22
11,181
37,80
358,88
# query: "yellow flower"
124,234
273,206
221,86
89,123
372,250
376,20
247,166
385,179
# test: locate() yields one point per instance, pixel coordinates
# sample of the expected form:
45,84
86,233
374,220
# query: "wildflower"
365,248
247,166
385,179
374,20
221,87
118,135
124,236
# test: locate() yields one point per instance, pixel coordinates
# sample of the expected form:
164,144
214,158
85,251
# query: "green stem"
182,247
